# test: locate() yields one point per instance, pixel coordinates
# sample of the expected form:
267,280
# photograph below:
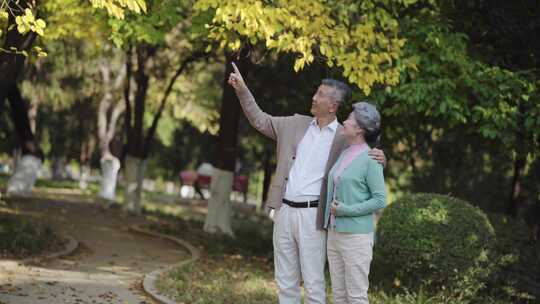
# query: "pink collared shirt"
349,155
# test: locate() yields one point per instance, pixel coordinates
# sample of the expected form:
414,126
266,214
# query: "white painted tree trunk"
24,176
109,176
84,174
58,168
218,219
135,169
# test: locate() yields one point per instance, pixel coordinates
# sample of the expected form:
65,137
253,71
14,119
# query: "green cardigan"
360,192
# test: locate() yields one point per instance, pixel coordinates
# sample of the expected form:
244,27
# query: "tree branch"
150,135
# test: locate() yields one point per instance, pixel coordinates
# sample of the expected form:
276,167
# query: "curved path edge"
149,281
69,248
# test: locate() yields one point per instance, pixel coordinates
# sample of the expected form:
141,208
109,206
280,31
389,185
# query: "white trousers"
349,258
299,254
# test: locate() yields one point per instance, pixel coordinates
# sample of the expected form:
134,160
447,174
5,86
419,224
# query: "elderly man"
307,148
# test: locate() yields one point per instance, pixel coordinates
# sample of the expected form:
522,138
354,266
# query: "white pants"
349,258
299,253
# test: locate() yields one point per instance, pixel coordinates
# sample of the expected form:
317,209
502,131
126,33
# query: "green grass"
230,279
21,237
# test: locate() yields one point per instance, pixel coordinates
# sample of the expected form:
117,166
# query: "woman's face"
351,128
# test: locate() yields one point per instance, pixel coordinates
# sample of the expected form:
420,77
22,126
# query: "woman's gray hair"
368,118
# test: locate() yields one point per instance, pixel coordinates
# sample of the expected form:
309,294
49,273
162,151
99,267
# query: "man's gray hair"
341,89
368,118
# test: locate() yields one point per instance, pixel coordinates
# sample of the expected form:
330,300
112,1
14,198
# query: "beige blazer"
287,131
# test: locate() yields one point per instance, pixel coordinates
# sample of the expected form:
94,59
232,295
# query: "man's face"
323,102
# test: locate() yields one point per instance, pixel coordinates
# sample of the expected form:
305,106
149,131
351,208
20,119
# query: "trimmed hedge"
433,242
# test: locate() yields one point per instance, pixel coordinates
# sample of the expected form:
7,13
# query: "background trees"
456,81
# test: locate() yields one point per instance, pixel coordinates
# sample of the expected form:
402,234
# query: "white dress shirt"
306,175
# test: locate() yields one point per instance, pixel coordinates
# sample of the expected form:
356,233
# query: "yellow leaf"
41,23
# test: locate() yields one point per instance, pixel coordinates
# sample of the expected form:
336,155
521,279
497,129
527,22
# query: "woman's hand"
333,208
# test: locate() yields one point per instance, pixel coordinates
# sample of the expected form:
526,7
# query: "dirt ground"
107,267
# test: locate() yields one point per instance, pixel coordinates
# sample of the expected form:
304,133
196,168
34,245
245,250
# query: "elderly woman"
356,191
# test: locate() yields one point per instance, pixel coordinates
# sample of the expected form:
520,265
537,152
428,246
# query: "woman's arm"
375,183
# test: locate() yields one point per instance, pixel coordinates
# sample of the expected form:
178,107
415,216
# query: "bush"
433,242
518,261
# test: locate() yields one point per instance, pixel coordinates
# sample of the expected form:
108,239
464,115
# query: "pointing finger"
236,71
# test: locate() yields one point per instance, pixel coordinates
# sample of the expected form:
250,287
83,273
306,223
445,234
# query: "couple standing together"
327,185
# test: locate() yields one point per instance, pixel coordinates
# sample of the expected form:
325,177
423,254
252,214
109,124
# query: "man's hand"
270,212
378,155
236,80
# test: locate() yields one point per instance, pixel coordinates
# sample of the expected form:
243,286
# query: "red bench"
191,178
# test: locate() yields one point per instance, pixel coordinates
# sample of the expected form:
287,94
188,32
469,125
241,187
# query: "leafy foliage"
362,38
434,241
452,85
28,22
68,16
151,28
116,8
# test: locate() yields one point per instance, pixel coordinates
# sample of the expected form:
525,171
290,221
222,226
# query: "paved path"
107,267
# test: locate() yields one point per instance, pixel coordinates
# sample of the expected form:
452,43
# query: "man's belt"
307,204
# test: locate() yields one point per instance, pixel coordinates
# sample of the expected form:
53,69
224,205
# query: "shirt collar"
332,126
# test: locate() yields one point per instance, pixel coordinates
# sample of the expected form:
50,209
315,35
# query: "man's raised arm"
263,122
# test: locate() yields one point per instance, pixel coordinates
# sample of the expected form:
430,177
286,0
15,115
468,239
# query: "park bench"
195,180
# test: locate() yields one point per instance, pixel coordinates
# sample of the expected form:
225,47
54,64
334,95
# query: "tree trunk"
138,146
88,140
19,115
135,169
25,174
32,114
87,149
12,64
219,214
218,219
58,168
519,165
152,130
110,165
23,178
84,174
135,159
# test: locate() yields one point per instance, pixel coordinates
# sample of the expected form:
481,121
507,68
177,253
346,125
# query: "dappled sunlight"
230,279
434,213
254,284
